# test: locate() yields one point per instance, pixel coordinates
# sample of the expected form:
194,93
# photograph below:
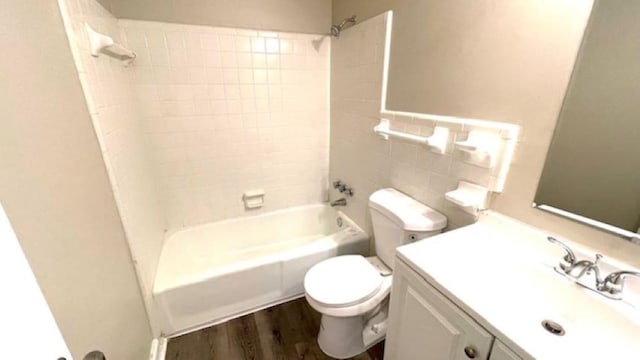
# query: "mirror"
592,168
480,59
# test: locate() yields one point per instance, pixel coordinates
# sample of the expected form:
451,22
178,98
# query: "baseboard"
158,349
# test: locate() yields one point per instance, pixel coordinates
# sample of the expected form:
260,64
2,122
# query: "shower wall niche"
201,116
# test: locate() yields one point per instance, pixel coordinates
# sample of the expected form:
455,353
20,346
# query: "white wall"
307,16
363,159
229,110
106,4
23,309
109,92
484,59
536,112
363,9
56,192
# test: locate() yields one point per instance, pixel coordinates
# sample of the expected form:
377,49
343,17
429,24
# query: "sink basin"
501,273
595,327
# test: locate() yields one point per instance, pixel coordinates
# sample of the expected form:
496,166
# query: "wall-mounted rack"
105,44
437,142
506,141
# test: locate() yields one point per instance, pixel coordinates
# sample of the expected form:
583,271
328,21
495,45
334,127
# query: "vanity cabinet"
425,325
500,351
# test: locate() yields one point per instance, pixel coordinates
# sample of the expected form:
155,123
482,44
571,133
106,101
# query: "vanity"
490,291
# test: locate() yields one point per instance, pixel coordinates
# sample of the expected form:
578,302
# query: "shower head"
336,29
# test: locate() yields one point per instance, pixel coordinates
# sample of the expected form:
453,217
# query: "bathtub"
214,272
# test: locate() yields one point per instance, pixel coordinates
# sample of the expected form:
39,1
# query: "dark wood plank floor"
284,332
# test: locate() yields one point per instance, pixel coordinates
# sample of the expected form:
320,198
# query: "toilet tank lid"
405,211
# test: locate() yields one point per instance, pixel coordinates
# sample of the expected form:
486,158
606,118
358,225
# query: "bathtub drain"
339,222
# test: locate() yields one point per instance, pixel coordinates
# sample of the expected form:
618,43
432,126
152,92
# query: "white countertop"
500,272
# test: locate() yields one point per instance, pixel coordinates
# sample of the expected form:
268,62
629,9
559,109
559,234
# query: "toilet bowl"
351,291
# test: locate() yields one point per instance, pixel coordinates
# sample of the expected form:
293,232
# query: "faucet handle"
614,282
569,257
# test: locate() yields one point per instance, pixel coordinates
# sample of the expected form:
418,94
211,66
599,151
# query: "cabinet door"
500,351
425,325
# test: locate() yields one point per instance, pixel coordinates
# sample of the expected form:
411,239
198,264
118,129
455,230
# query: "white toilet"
351,291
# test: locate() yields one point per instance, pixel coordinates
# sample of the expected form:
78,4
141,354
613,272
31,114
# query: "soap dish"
253,199
470,197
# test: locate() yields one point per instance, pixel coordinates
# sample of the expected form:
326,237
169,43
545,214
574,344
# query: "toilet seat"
345,285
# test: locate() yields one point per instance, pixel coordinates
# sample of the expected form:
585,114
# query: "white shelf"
470,197
104,44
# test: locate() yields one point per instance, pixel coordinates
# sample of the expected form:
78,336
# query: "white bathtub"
214,272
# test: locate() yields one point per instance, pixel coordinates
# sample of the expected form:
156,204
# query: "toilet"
351,291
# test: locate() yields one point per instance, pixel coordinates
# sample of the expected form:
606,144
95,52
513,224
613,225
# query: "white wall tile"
358,156
227,42
110,90
175,40
224,123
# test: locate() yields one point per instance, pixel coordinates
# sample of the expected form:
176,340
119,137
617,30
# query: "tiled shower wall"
230,110
363,159
202,115
109,92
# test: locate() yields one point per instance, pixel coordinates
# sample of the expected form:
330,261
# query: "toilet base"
345,337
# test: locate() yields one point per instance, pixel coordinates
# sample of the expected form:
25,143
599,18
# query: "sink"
501,272
595,326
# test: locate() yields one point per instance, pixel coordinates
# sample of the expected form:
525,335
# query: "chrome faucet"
343,188
569,257
614,282
570,264
611,286
587,266
339,202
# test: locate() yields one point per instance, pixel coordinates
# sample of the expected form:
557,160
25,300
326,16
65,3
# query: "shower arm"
351,19
336,29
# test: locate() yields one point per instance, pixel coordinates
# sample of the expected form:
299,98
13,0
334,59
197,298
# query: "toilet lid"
342,281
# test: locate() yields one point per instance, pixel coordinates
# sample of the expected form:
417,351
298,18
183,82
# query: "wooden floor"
287,331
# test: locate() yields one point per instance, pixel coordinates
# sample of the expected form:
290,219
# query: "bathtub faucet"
339,202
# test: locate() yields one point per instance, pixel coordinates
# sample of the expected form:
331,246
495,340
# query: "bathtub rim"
171,232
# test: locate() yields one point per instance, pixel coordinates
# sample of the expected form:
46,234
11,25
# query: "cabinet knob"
471,352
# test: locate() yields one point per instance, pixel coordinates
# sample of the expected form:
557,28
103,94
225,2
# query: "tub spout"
339,202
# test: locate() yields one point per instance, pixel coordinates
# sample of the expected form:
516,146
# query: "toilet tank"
399,219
